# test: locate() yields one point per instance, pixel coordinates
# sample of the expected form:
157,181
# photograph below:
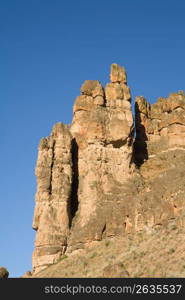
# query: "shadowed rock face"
4,272
88,187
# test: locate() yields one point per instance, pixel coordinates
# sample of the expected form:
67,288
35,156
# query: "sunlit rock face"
80,166
103,129
52,209
102,176
159,126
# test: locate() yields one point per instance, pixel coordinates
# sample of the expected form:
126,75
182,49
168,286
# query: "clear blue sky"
47,49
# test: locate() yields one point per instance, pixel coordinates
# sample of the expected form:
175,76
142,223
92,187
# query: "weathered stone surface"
92,88
117,90
118,74
159,126
104,137
52,211
4,272
27,274
160,155
77,172
93,185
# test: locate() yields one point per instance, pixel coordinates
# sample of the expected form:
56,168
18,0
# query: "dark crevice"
75,181
140,151
131,137
103,234
53,159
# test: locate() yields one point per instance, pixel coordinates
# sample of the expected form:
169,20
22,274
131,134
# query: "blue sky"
47,49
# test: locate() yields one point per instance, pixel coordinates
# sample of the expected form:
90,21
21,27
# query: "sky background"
47,49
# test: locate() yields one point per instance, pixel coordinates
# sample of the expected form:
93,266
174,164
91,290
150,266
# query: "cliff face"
159,126
96,181
52,210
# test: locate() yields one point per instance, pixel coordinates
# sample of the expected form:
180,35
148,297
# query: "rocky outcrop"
4,272
103,129
159,126
80,168
96,181
159,152
52,211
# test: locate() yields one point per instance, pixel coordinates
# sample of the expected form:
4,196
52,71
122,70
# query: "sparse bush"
107,243
93,255
85,264
134,255
172,250
142,254
174,227
64,257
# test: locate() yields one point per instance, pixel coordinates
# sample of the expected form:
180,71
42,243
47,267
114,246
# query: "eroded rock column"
103,129
52,211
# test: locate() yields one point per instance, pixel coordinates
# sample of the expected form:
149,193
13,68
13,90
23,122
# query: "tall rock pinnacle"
78,170
103,129
52,210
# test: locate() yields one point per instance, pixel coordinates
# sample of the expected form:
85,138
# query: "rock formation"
52,211
103,129
4,272
96,181
159,126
